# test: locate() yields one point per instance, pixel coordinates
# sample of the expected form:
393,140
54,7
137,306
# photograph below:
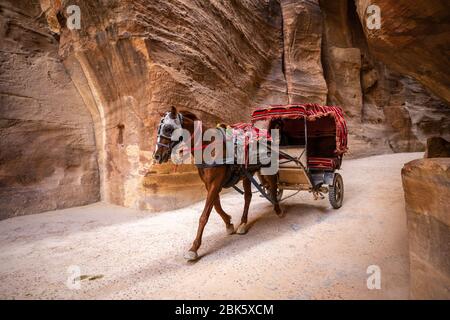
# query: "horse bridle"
166,130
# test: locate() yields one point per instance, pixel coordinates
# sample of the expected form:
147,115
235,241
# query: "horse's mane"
189,115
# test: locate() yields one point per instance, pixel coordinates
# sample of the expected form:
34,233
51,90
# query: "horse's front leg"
242,229
211,198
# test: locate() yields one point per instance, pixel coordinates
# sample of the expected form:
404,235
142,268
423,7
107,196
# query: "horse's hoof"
280,213
191,256
242,229
230,229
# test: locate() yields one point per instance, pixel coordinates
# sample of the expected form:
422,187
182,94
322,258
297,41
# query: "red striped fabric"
243,133
322,163
248,130
312,111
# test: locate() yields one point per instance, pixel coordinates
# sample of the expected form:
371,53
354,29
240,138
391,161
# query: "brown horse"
214,178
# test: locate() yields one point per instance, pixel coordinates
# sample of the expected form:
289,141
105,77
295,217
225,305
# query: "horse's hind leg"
242,229
225,217
272,180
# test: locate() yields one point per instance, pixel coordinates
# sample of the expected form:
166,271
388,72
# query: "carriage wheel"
336,194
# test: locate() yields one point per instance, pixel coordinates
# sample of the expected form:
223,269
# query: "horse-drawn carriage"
313,139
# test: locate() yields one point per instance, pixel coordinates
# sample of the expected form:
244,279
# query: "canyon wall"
47,147
413,40
388,111
427,185
131,60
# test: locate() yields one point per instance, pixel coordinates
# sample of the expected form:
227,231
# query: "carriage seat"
323,163
297,152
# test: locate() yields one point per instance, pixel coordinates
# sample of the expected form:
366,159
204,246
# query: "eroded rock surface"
413,40
388,110
132,60
47,147
426,183
302,37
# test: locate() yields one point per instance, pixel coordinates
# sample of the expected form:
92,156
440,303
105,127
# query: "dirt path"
314,252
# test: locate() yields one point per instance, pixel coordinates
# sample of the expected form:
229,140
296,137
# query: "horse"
214,177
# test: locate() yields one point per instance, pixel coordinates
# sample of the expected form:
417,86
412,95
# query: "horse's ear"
173,112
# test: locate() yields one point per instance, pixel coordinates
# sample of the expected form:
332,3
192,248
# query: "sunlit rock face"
47,147
302,37
296,72
426,186
132,60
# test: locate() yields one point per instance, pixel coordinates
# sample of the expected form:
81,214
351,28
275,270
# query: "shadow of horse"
264,226
298,217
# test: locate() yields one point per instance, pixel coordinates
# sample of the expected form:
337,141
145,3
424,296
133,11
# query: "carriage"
313,140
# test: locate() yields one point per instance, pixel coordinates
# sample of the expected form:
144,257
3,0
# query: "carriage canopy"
321,122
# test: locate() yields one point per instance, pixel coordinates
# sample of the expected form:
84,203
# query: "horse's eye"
167,130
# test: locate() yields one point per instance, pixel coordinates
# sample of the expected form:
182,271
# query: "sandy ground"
315,252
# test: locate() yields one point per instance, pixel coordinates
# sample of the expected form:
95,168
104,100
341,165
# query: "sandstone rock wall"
132,60
426,183
413,40
302,46
388,111
47,147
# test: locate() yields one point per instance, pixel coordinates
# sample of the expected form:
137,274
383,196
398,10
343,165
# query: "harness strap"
258,186
238,190
161,134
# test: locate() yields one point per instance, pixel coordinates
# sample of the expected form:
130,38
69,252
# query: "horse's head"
170,121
